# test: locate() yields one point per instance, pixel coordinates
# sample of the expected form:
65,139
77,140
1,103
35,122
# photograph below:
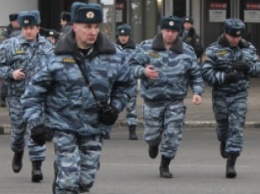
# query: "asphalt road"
127,169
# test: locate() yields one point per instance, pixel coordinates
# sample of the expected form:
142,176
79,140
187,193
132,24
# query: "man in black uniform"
189,36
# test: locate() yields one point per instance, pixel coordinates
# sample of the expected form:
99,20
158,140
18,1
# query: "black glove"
242,67
38,134
232,77
108,115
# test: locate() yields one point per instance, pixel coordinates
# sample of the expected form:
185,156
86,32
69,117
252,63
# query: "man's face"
15,24
86,34
187,25
52,39
30,32
233,40
63,22
123,39
169,36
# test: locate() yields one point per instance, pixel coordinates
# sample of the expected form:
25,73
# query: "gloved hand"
232,77
242,67
38,134
108,115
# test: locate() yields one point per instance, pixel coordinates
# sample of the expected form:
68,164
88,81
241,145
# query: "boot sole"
231,175
17,170
37,178
153,151
167,177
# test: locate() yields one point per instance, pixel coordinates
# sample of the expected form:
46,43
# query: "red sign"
120,6
218,6
253,6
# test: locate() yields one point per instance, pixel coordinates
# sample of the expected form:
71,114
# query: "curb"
198,124
6,128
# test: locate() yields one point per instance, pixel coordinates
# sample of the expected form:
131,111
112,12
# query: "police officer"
65,21
189,36
87,72
52,35
226,66
20,59
165,66
129,46
13,26
12,30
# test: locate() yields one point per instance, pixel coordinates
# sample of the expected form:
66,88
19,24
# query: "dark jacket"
193,39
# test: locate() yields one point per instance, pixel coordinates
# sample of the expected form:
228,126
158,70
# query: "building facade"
144,15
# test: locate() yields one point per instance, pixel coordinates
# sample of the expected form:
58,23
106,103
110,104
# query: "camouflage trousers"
18,131
4,88
230,113
77,159
163,122
131,112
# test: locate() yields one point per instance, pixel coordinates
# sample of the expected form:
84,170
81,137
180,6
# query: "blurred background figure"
52,35
128,45
13,29
65,23
189,36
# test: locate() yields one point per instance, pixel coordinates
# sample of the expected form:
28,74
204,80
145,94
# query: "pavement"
196,115
126,168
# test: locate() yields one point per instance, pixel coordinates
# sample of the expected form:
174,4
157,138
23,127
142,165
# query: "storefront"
144,16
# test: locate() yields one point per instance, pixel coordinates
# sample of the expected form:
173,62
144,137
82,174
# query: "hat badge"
171,23
90,14
238,32
122,31
51,33
26,21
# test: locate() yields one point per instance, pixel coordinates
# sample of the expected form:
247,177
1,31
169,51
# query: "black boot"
153,151
17,162
230,169
3,104
222,149
55,177
164,168
37,175
132,134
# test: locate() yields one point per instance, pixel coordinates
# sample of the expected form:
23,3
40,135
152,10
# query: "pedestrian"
85,85
65,21
52,35
19,60
166,66
189,36
129,46
13,29
12,26
226,66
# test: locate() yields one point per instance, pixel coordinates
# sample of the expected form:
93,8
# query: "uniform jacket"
69,104
17,53
193,39
219,58
129,48
177,68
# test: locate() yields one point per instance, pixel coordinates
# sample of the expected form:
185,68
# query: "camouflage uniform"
229,100
9,32
17,53
71,109
221,69
163,96
131,109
